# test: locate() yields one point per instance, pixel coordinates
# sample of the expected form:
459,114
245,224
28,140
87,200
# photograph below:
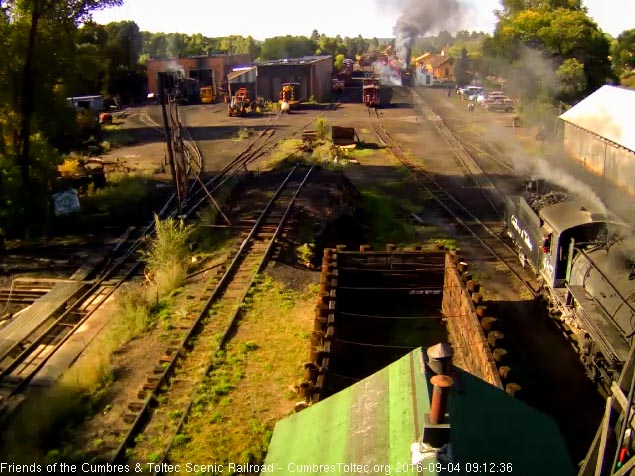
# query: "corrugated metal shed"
243,75
375,421
295,61
608,113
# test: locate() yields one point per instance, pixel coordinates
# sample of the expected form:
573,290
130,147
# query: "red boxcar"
370,92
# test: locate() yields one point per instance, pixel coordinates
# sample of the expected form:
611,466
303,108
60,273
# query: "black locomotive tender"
585,262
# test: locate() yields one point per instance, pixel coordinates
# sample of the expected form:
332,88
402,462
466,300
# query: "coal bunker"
388,303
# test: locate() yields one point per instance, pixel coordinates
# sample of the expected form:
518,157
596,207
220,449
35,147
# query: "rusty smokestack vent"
440,395
440,358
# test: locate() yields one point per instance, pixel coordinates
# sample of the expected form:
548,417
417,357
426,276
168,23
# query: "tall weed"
166,259
323,128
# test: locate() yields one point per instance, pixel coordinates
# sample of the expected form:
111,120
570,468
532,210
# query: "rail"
449,203
114,272
198,328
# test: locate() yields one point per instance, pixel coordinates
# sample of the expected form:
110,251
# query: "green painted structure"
373,423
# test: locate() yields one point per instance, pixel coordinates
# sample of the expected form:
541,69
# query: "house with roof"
410,418
440,66
599,132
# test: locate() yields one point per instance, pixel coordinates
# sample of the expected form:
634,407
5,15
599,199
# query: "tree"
286,47
461,69
572,78
315,36
558,34
32,17
623,52
124,44
339,62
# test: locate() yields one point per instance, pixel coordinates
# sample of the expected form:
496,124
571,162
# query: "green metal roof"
374,422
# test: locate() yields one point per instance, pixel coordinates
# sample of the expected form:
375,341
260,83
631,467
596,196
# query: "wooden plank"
606,426
619,395
587,465
45,307
624,470
27,279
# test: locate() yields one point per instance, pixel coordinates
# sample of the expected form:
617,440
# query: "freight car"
584,260
370,92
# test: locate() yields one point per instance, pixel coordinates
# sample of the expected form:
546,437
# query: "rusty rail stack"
474,334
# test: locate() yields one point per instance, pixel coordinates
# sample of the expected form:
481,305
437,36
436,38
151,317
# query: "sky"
370,18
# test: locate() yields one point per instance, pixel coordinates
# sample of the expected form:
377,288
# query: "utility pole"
168,136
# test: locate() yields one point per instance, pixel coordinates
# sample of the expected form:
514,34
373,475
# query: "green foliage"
538,38
323,128
339,62
572,77
134,312
243,133
286,47
167,257
305,252
384,213
462,69
623,52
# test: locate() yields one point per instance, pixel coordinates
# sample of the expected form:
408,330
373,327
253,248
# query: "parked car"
470,92
500,105
489,98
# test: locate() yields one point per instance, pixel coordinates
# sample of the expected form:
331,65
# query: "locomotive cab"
565,225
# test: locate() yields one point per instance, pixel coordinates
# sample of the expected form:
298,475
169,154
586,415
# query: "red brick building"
209,70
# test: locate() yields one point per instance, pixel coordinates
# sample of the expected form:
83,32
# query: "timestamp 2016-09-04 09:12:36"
473,468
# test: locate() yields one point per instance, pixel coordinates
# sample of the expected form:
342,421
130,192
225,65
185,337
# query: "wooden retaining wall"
475,337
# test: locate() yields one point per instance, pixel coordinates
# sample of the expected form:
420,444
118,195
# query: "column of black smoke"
420,17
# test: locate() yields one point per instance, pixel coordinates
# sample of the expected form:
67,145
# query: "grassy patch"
125,200
387,215
287,150
252,385
361,153
44,418
242,134
117,136
133,311
167,256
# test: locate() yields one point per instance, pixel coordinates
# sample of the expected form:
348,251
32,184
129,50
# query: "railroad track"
23,359
493,242
464,158
201,335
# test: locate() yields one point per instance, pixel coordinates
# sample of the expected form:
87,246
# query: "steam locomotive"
585,260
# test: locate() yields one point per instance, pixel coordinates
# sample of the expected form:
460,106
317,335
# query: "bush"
70,167
323,128
243,133
134,312
166,259
305,253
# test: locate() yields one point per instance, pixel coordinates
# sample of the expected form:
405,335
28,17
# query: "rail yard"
209,380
